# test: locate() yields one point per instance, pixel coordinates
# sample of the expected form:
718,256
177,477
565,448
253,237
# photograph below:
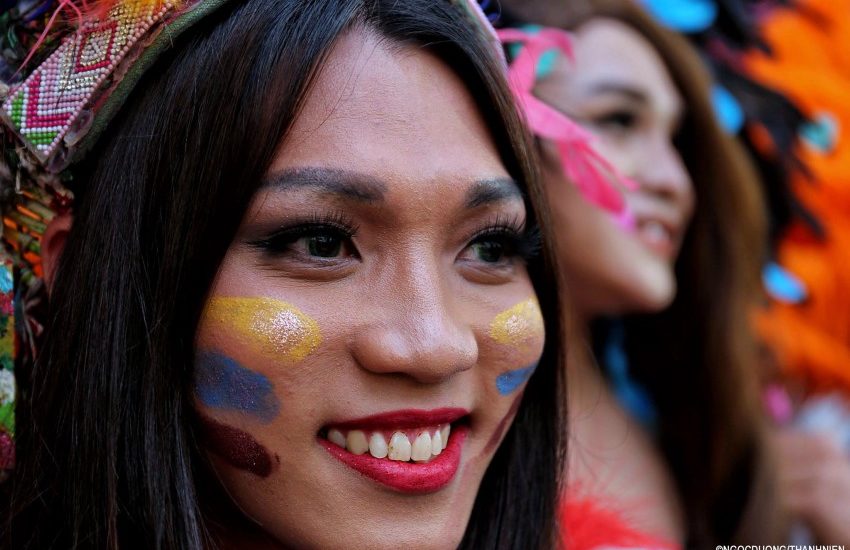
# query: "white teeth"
437,443
356,442
421,447
336,437
424,447
378,446
399,447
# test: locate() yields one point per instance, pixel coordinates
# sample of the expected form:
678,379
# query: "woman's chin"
654,295
644,291
379,534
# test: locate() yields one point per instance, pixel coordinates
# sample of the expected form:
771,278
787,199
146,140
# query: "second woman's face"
368,337
619,89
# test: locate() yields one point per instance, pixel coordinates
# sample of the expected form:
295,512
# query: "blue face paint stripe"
222,383
509,381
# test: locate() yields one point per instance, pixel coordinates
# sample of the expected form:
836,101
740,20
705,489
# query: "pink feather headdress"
594,176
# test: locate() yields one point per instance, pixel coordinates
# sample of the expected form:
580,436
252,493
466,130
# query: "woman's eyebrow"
491,190
334,181
618,88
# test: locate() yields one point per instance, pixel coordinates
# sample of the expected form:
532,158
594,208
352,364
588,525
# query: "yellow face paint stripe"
278,329
518,325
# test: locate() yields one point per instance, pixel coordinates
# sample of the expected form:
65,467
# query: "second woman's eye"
618,121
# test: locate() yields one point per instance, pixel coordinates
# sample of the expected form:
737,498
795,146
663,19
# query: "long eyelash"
501,222
526,242
299,227
531,243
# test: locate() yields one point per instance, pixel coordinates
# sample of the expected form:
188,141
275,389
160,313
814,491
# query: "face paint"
237,447
222,383
500,430
276,328
509,381
518,326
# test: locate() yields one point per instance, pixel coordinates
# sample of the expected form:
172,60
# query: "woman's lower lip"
662,246
664,249
406,477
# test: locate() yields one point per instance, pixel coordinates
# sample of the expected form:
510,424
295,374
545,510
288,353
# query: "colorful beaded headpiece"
66,68
48,107
83,70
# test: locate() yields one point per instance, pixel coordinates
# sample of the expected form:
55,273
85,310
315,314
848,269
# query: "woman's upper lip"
402,419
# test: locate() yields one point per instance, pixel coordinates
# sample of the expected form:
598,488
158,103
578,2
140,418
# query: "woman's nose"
417,330
663,172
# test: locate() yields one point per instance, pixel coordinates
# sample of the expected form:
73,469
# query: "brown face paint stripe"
237,447
496,438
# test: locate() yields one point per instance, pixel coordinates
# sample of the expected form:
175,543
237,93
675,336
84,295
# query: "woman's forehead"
393,113
610,54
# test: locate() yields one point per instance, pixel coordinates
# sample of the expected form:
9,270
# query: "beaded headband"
50,118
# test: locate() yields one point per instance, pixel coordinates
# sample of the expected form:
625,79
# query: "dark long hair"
698,358
107,456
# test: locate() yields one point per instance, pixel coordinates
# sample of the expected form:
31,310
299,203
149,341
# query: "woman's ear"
52,245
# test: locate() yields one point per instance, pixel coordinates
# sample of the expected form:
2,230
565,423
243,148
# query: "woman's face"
619,89
372,326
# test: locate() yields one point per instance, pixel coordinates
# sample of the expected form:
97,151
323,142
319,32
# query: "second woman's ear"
52,245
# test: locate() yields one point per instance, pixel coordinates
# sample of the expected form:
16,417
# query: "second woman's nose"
663,172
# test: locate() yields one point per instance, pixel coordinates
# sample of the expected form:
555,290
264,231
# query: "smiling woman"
668,446
314,299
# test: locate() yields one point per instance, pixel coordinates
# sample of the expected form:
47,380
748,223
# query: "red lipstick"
405,477
402,420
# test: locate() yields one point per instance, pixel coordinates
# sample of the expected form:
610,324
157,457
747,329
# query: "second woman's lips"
657,237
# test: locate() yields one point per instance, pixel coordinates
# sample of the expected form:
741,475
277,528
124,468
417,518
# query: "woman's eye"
500,247
490,252
317,241
617,121
323,246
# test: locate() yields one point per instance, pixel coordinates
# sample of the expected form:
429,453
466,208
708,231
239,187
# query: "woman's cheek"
234,331
518,334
